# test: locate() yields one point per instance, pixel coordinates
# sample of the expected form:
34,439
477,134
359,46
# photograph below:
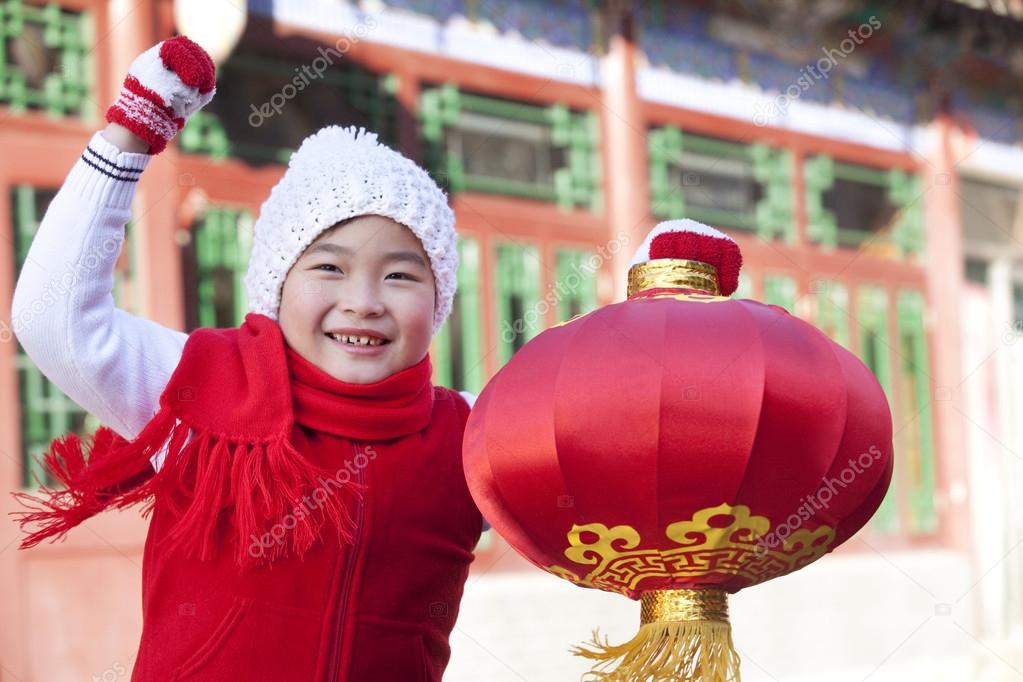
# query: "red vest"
380,610
263,561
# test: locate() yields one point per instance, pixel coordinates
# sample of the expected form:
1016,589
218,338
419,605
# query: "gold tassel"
684,636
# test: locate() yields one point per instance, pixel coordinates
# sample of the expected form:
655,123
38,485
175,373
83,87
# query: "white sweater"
115,365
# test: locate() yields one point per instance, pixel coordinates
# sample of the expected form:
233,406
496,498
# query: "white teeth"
357,340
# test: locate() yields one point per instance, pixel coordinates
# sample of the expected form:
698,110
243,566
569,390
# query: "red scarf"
396,406
241,391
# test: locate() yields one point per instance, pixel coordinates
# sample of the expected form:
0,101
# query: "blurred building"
866,155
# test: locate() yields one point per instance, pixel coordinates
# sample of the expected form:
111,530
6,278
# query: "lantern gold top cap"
673,273
686,254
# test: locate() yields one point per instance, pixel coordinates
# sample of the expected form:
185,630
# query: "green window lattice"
780,290
216,259
722,183
458,347
576,285
490,145
44,59
832,315
862,207
916,440
517,290
233,125
874,345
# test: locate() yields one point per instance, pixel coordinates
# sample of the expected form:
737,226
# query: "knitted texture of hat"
339,173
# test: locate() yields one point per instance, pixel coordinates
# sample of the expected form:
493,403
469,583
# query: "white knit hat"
339,173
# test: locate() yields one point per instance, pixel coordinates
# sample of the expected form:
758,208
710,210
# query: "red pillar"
943,265
408,104
626,185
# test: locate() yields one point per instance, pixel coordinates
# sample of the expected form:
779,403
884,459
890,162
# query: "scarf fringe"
257,486
687,651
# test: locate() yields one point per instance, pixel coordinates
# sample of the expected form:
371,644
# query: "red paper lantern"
679,446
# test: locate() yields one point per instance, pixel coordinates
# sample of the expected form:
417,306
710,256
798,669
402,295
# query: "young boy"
310,517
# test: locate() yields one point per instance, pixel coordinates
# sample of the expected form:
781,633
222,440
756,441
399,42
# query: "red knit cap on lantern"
689,240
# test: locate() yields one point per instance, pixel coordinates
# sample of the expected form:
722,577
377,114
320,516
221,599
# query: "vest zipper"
353,557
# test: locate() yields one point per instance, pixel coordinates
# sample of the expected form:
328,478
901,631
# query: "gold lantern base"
684,636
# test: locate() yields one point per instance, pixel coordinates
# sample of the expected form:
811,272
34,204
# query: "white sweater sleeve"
113,364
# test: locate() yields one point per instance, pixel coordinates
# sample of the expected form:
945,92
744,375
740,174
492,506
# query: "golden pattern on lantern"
738,547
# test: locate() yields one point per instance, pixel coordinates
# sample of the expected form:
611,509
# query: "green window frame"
872,306
576,282
60,81
216,258
916,443
780,290
370,94
745,287
517,294
46,411
901,190
458,349
768,170
832,314
572,138
910,504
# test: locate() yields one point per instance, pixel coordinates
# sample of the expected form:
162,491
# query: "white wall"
860,615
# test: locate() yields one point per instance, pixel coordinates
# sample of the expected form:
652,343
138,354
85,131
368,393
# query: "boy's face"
368,277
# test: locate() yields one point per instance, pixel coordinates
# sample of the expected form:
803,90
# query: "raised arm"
112,363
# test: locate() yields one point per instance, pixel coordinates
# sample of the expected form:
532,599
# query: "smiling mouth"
357,340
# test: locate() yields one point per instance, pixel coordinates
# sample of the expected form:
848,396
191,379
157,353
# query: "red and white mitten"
165,85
